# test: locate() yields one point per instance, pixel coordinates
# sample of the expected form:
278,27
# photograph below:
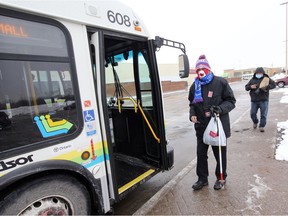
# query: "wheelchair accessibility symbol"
89,115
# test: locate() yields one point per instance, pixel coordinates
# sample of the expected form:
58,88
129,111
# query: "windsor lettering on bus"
12,30
13,163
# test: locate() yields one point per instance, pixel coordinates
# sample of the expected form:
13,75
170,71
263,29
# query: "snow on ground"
282,148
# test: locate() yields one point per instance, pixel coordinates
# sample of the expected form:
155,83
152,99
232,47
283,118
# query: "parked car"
278,76
281,82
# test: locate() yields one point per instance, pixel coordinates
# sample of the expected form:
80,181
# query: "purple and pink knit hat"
202,63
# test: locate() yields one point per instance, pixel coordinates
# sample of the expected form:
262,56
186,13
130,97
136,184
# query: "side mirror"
183,66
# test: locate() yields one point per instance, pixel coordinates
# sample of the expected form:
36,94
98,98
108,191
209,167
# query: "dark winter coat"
259,94
219,93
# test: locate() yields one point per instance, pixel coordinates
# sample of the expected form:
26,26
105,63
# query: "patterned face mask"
258,76
202,73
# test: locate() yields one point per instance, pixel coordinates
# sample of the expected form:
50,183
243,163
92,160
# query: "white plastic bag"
213,136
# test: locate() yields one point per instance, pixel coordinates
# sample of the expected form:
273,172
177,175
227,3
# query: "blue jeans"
263,106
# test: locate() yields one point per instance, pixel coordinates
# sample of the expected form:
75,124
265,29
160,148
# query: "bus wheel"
51,195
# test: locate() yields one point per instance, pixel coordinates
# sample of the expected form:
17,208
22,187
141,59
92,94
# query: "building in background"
172,82
169,77
231,73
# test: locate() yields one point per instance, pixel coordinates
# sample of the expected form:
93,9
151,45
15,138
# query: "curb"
147,207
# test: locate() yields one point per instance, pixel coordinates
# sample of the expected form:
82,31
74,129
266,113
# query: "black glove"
215,109
257,91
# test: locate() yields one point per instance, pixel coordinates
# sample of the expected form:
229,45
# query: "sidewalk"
256,184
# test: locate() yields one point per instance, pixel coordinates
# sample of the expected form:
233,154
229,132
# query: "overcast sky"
233,34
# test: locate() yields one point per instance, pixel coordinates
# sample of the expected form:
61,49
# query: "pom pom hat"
204,76
202,63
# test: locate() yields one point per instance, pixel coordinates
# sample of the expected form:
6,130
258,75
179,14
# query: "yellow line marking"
56,123
135,181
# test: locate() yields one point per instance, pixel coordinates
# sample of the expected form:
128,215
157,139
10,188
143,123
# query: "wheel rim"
53,205
280,84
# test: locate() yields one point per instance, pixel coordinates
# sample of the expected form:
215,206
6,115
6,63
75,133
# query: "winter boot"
199,184
219,184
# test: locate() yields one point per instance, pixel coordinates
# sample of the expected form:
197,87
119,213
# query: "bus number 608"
119,18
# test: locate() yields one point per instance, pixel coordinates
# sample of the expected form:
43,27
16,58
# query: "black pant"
202,160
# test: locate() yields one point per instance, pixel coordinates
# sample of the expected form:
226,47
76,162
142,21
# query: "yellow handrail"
145,118
142,112
131,99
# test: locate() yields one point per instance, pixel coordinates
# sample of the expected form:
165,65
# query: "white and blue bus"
81,112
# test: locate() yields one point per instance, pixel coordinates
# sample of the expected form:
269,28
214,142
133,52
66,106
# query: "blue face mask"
258,76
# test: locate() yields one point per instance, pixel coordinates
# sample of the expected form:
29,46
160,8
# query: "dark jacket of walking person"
206,92
259,87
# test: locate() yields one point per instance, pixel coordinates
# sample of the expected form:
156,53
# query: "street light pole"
286,35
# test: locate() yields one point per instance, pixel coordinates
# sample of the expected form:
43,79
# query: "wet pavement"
257,183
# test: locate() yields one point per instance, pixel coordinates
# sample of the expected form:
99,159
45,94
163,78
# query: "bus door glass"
149,104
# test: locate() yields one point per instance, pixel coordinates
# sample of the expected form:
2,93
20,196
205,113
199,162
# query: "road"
181,136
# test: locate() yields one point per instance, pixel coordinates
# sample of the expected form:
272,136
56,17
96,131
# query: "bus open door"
132,108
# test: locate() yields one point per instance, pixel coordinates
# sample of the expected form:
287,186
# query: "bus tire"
51,195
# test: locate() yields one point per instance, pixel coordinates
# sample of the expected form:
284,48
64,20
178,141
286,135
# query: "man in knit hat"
258,88
209,93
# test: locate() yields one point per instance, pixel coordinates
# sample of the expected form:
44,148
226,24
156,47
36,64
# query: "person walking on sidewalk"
259,87
209,91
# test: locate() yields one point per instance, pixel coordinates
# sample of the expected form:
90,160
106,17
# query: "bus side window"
35,92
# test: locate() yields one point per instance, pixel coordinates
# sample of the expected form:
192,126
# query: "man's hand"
216,109
254,86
